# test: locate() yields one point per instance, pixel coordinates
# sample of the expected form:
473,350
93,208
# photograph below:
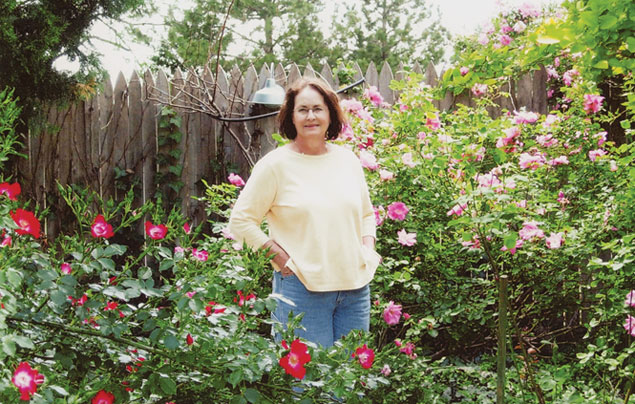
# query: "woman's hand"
281,258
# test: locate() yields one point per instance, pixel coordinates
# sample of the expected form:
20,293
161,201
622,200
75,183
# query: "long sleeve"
252,205
369,225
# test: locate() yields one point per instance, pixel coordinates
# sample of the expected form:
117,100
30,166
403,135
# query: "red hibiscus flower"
103,397
27,222
365,355
101,228
156,231
293,363
10,190
26,380
189,340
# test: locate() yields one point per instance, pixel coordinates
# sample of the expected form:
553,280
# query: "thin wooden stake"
502,338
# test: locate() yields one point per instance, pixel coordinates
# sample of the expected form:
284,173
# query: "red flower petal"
27,222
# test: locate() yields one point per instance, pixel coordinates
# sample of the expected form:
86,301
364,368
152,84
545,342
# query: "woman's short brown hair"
285,116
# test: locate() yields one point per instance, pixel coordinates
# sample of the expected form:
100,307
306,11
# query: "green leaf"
8,346
195,305
235,377
107,263
602,64
24,342
608,21
252,395
97,253
510,240
14,277
166,264
259,306
176,170
171,342
59,390
115,291
167,385
58,297
238,400
151,292
132,293
144,273
68,280
114,249
47,275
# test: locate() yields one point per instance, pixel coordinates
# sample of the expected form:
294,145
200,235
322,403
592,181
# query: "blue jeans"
328,316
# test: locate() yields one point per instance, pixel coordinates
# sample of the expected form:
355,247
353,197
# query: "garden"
463,199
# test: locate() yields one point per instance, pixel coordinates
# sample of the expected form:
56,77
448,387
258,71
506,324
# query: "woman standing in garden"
320,218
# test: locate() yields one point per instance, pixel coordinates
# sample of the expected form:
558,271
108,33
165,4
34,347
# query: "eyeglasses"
304,112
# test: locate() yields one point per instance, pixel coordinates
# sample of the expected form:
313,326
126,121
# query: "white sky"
460,17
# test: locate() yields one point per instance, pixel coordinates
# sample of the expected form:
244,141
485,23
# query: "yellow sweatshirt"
317,209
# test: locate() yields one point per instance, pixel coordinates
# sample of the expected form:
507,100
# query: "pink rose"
392,313
397,211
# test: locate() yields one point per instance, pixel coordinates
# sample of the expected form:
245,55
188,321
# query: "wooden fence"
113,140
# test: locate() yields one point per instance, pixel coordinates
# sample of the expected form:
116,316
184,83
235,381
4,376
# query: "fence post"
502,338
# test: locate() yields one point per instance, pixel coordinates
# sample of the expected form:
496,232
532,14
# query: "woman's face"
310,115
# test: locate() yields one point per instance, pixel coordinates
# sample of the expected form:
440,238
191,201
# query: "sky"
460,17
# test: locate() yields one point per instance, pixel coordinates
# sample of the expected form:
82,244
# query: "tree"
285,30
264,30
193,38
34,34
389,30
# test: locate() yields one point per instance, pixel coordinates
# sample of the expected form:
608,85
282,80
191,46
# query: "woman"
320,218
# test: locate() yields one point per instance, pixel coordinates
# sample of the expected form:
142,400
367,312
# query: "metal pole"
502,338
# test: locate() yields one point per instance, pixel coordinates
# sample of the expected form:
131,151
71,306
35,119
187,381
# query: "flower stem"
82,331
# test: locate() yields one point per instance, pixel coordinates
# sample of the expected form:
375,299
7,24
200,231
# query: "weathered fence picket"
112,138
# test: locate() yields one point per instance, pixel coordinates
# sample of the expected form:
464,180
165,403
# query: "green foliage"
35,34
602,31
9,112
192,39
169,160
593,38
